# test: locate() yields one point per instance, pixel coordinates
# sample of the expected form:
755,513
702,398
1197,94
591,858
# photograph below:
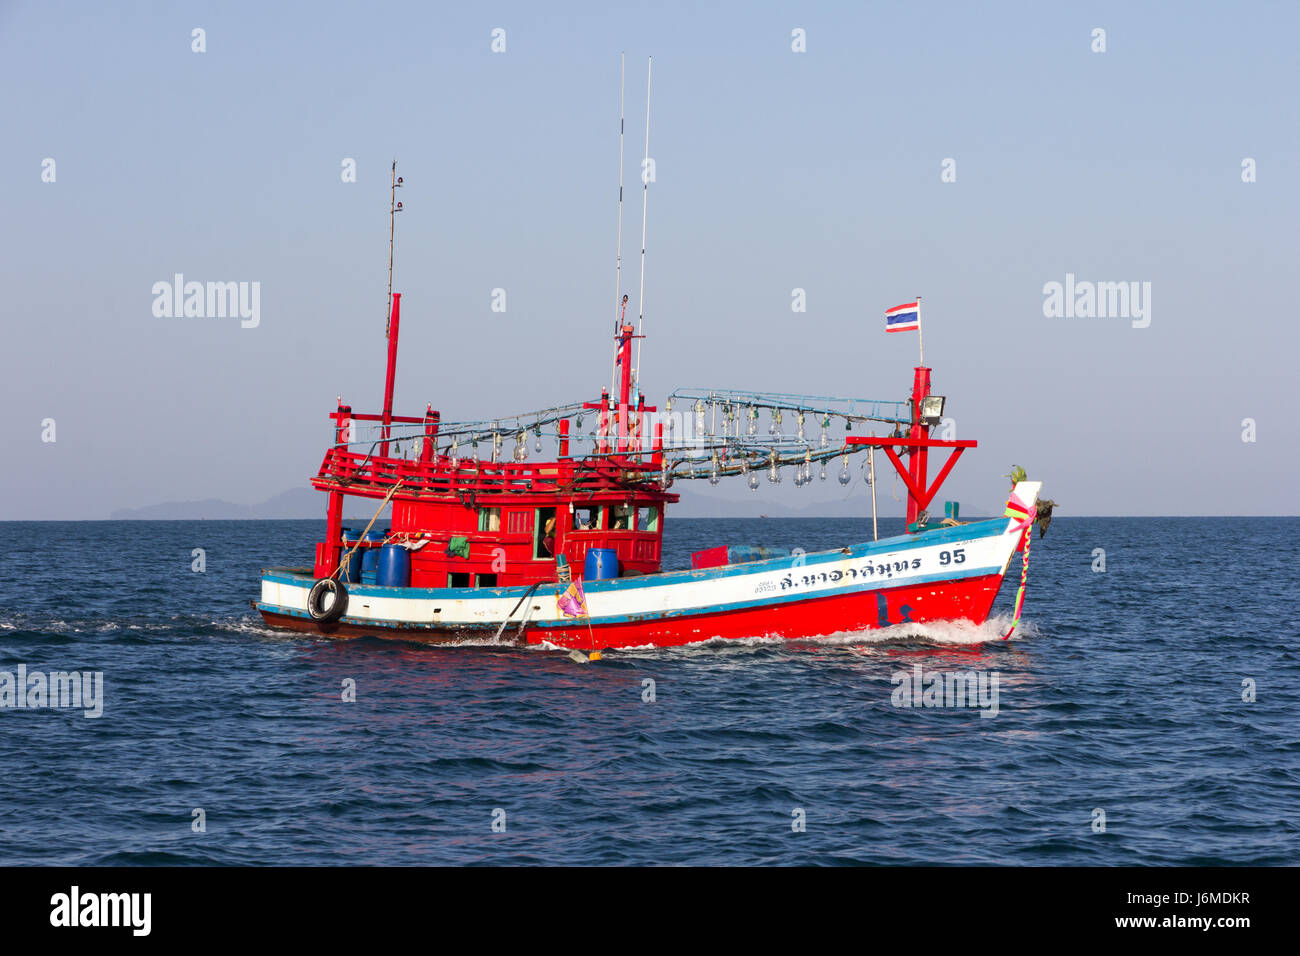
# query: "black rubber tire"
316,601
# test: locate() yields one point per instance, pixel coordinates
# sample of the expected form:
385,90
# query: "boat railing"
557,431
367,472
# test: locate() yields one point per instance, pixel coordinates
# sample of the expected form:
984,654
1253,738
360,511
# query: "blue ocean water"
1122,695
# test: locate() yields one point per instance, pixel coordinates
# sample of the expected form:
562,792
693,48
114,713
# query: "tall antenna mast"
618,268
645,193
394,207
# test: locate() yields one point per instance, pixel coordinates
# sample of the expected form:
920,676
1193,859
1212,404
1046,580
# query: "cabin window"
586,518
545,534
485,580
458,579
629,518
489,519
520,522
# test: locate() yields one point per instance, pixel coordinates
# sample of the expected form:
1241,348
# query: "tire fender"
316,601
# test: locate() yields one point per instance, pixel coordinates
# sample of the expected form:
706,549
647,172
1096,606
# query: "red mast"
917,443
394,323
918,457
394,299
625,337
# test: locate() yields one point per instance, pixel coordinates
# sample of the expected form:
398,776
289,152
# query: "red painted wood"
430,445
968,600
709,558
394,325
327,557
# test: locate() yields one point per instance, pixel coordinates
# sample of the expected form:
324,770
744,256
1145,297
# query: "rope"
527,595
347,558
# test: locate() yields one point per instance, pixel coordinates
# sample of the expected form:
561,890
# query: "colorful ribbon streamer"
1024,516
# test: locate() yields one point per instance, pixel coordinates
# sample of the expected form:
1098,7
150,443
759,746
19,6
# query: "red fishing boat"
567,549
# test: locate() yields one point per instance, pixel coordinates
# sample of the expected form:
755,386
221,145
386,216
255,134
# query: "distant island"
299,503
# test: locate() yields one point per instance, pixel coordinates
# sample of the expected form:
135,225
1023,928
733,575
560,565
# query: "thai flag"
903,318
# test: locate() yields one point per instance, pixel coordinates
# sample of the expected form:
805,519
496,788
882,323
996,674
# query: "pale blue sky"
776,170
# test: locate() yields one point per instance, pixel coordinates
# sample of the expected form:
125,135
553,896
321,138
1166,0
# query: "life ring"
316,600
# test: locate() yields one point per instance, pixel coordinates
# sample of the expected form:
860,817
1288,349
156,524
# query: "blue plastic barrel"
601,563
370,563
351,537
394,566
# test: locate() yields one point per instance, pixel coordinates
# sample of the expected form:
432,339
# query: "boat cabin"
469,523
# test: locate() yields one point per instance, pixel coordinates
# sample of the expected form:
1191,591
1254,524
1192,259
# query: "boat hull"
968,599
952,574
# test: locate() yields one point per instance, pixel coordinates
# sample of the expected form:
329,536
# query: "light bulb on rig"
537,445
845,478
823,469
753,481
668,415
496,447
775,427
826,424
753,421
454,460
521,446
714,477
801,426
774,473
699,418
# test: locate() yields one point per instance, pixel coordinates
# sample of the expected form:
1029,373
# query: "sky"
829,170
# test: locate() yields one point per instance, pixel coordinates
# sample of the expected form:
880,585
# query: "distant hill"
296,503
696,503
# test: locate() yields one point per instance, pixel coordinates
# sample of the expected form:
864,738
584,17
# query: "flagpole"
920,341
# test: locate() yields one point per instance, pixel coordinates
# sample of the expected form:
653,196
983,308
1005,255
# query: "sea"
1144,712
